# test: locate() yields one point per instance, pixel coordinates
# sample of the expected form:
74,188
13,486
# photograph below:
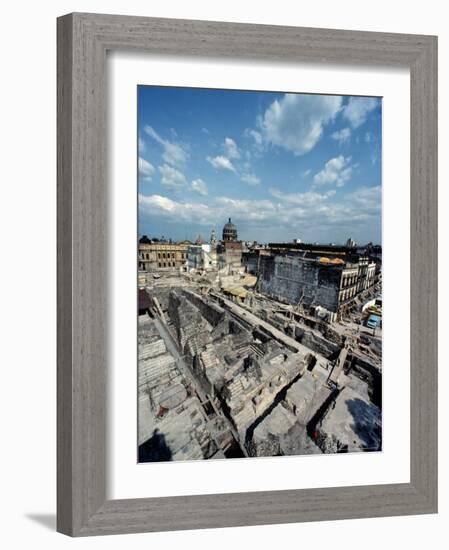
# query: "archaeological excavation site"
249,350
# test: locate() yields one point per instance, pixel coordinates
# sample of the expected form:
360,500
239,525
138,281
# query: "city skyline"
205,238
282,166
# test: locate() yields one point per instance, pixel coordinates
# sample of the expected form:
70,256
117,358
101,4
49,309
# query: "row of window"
159,264
348,280
347,294
162,255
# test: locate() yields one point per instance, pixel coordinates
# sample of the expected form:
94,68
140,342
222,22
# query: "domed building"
230,249
229,232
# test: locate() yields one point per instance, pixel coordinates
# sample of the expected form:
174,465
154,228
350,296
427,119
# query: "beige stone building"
356,278
156,256
349,283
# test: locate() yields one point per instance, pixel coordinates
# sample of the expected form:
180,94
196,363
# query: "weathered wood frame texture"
83,40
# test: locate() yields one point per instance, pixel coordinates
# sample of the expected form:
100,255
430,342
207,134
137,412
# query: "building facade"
203,256
309,275
157,256
229,231
349,284
230,254
350,243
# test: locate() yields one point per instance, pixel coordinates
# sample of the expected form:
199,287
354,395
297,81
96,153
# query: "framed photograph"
247,274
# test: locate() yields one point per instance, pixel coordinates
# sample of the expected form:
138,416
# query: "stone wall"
213,313
294,280
250,261
316,342
371,374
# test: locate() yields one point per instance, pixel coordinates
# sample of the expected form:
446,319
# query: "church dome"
229,231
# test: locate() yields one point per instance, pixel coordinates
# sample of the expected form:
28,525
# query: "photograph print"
259,274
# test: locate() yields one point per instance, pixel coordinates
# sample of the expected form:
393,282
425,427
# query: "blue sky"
282,166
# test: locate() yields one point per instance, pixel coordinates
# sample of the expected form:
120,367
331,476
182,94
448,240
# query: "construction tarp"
236,291
248,280
330,261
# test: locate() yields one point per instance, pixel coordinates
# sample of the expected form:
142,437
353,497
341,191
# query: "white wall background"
27,273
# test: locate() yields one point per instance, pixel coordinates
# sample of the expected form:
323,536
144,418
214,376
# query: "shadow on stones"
367,423
155,449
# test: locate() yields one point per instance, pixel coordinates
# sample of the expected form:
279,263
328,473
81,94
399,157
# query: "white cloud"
250,179
357,109
286,216
367,198
174,153
231,148
171,177
257,144
306,173
246,209
342,135
208,214
308,198
257,136
146,170
156,205
141,146
296,121
221,163
336,171
369,137
199,187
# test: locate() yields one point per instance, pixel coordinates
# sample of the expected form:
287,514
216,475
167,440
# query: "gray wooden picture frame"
83,40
